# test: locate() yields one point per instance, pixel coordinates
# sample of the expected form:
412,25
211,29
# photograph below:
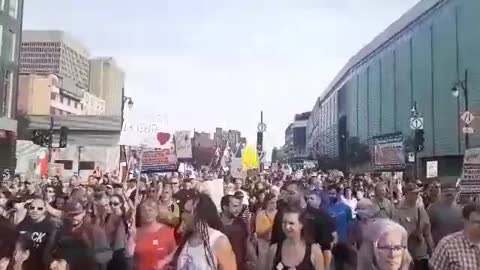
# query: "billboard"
388,152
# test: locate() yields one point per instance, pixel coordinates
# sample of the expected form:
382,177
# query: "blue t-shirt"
342,215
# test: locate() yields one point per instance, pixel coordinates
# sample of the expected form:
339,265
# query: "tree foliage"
358,153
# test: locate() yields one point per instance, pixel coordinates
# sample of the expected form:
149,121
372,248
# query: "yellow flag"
249,158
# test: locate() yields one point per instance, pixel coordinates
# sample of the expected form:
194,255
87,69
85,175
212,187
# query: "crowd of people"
311,220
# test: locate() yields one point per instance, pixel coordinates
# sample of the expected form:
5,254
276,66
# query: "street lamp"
128,101
463,85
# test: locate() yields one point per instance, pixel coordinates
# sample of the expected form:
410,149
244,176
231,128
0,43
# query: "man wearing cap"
415,220
83,246
445,214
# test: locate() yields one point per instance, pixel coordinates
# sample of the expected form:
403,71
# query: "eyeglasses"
114,204
391,248
31,208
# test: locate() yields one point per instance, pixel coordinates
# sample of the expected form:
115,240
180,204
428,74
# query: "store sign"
388,152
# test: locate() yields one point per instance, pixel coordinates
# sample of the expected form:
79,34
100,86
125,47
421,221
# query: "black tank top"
305,264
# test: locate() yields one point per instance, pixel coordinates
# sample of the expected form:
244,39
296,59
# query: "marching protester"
385,247
263,227
460,250
154,241
296,250
321,223
236,229
445,214
42,232
270,220
203,246
414,218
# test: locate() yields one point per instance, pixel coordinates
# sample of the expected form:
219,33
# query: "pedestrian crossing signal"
63,137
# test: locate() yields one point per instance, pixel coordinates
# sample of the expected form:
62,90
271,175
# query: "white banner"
146,132
183,144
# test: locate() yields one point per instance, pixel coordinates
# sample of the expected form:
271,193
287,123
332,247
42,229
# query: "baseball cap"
73,207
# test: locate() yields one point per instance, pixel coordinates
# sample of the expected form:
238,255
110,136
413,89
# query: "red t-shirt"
153,247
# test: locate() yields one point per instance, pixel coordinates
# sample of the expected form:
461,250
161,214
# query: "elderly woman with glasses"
384,247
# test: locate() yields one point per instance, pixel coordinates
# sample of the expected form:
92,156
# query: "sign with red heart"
163,137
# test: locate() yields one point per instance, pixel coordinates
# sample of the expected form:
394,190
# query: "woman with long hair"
297,251
264,224
20,252
384,247
203,245
154,241
117,231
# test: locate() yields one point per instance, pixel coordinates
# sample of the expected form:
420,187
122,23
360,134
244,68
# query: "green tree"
358,153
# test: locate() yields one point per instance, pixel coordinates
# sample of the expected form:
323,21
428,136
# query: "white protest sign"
470,183
432,169
183,144
236,168
146,132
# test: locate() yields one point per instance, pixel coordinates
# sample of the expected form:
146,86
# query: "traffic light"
419,140
38,138
259,141
63,137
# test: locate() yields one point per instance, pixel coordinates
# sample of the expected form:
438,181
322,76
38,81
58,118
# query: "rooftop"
55,36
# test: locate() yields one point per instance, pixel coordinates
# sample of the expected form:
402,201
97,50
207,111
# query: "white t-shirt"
193,258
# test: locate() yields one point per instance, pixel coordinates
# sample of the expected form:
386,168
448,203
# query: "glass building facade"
11,14
417,60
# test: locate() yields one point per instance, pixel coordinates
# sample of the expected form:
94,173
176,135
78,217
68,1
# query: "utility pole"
79,158
261,128
50,141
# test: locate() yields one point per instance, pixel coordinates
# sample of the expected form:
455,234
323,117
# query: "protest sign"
147,132
183,144
470,183
159,160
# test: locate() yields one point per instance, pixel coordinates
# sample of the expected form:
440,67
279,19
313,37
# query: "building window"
61,99
69,101
52,111
53,96
7,94
1,35
75,104
13,8
13,42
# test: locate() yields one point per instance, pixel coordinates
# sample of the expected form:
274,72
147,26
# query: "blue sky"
208,63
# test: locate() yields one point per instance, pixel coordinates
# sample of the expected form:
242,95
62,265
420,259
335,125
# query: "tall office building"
54,52
107,81
11,15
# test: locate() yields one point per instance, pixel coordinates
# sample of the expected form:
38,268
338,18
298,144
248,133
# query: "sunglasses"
31,208
114,203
